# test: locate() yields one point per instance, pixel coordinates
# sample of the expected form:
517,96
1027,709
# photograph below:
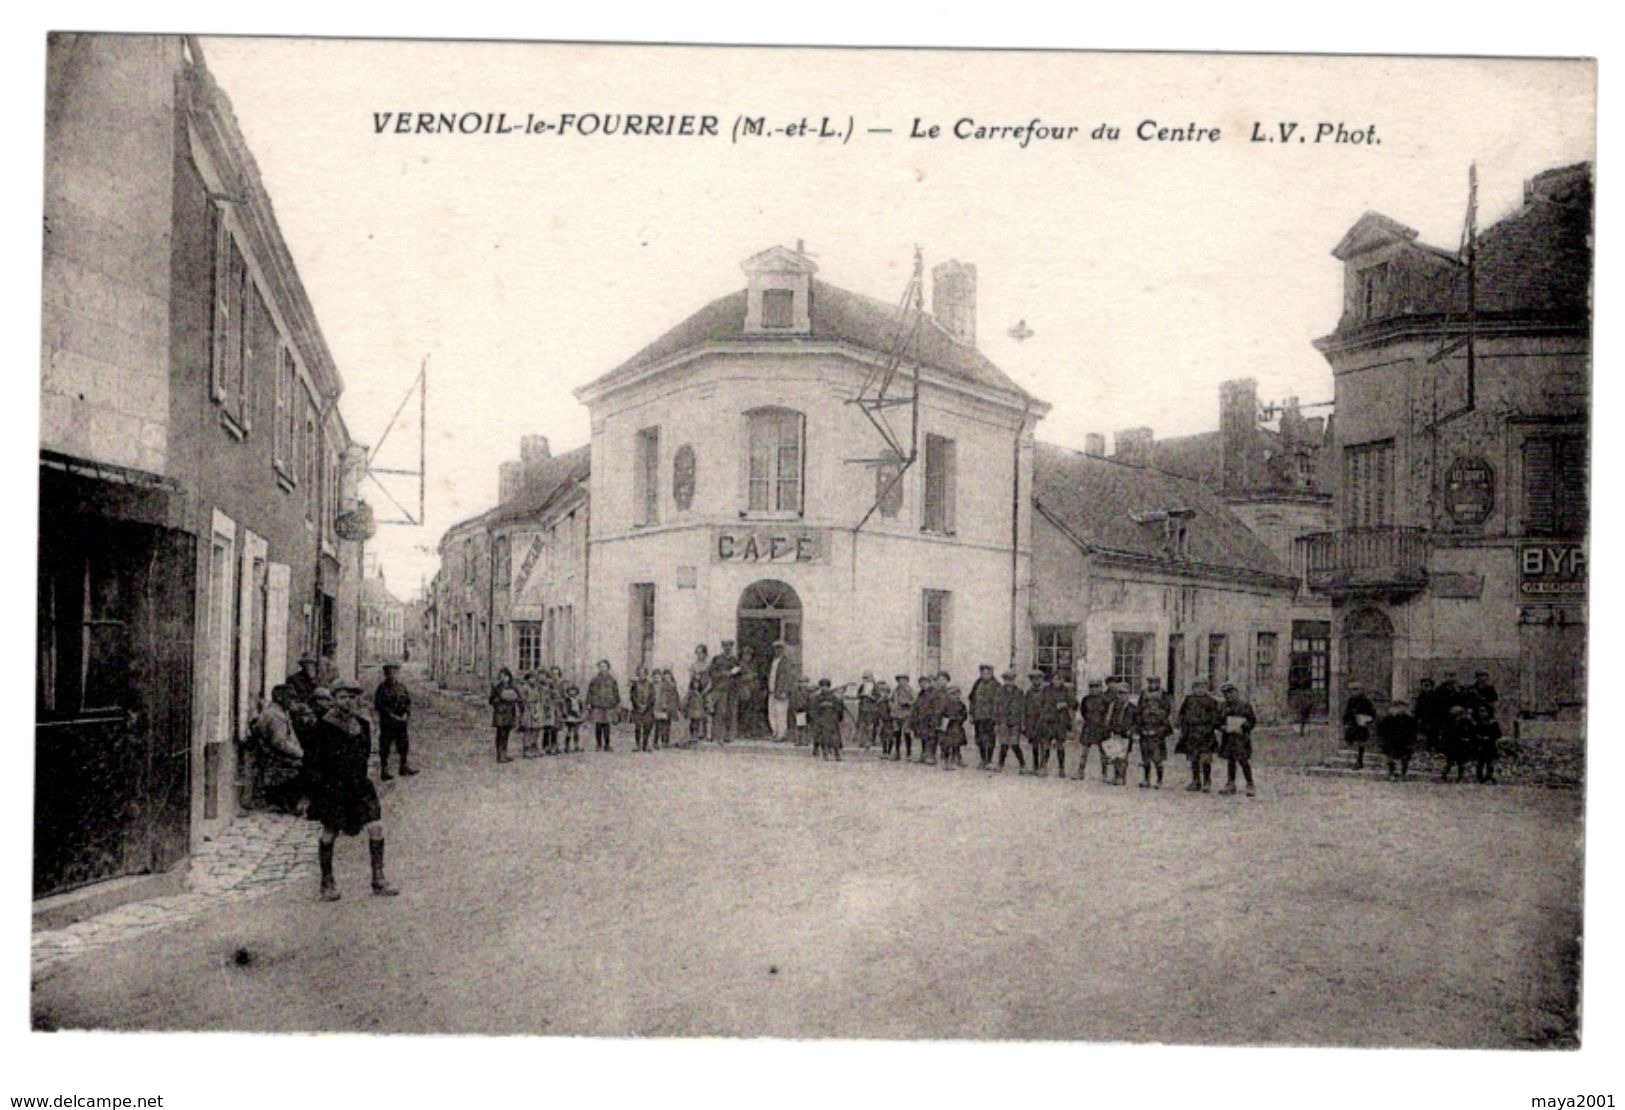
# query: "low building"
1463,413
1139,573
193,463
383,623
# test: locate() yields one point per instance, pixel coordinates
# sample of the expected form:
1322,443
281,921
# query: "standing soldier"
603,704
1009,725
984,714
1237,744
505,707
1156,711
725,671
902,708
1122,727
394,705
1359,712
342,797
1093,709
1200,716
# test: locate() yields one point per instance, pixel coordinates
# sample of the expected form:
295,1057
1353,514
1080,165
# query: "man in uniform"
1200,716
394,705
1156,712
1093,708
725,671
984,714
342,797
1009,724
1237,743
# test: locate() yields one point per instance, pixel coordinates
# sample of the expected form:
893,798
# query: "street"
751,892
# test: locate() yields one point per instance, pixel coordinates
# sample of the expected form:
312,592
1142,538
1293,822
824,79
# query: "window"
642,625
1264,661
775,445
528,642
228,373
1368,483
1373,291
282,429
939,484
501,562
646,478
1130,650
934,638
778,308
1052,648
1218,660
312,455
682,477
85,603
1554,485
889,485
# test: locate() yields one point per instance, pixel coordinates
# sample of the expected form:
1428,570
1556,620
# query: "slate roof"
1096,499
556,476
837,315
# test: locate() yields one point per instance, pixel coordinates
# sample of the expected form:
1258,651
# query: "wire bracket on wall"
881,393
419,389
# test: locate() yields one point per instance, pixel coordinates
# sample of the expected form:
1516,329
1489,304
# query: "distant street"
750,892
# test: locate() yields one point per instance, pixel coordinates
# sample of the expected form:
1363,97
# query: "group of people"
936,719
1459,723
313,747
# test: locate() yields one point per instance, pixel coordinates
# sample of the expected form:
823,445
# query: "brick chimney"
1243,448
1132,446
510,481
1094,445
953,299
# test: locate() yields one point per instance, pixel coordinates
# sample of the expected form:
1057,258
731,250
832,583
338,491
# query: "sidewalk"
256,854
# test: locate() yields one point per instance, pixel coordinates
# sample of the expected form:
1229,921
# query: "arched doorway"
769,611
1368,652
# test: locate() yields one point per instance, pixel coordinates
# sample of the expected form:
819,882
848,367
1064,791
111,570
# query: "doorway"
769,611
1368,649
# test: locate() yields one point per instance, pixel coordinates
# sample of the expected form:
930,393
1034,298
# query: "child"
505,706
695,708
1486,740
827,712
528,697
575,711
951,739
603,704
1396,736
1156,711
643,709
1456,742
801,695
923,720
883,718
902,707
868,712
1011,702
668,704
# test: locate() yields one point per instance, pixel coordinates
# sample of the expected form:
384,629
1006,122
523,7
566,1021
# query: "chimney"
953,299
1314,431
510,480
1094,445
1132,446
1243,451
533,449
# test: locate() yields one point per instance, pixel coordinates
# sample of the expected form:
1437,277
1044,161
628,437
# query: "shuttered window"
940,484
775,460
1554,485
1368,483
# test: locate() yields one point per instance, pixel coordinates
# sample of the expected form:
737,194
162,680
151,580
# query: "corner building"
732,470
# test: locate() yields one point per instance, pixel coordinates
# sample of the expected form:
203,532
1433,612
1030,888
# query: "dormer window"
1373,291
778,308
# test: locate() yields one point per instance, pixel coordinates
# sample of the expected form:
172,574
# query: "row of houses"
733,490
199,521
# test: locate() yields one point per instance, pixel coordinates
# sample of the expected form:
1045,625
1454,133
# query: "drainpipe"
1015,524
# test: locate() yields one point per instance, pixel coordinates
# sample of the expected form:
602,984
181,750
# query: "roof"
1095,500
1200,457
548,485
375,592
837,315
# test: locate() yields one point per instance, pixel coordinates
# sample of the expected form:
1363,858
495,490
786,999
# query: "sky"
521,267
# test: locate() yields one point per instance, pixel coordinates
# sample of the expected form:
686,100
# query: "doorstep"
58,911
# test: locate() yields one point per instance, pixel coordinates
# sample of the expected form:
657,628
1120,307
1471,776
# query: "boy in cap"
902,710
394,705
952,712
828,710
1011,703
1359,714
1056,708
1396,736
1093,709
1200,716
1032,719
1236,744
1486,732
868,710
984,714
342,797
1122,727
800,710
924,719
1156,711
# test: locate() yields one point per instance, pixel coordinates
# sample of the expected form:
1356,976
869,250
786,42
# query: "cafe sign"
1551,570
769,545
1469,490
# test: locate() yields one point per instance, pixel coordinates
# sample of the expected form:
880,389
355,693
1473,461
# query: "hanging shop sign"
769,545
1469,490
355,524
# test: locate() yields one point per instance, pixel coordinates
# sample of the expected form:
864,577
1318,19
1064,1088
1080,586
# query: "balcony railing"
1364,558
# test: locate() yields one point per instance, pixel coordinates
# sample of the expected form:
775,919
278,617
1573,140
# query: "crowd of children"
1459,723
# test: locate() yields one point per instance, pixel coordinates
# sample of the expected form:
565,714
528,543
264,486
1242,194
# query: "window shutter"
284,384
1570,487
801,460
1539,485
219,279
950,482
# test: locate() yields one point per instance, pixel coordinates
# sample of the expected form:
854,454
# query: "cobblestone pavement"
257,853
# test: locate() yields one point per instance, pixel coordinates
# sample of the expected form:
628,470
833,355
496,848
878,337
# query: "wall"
104,373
